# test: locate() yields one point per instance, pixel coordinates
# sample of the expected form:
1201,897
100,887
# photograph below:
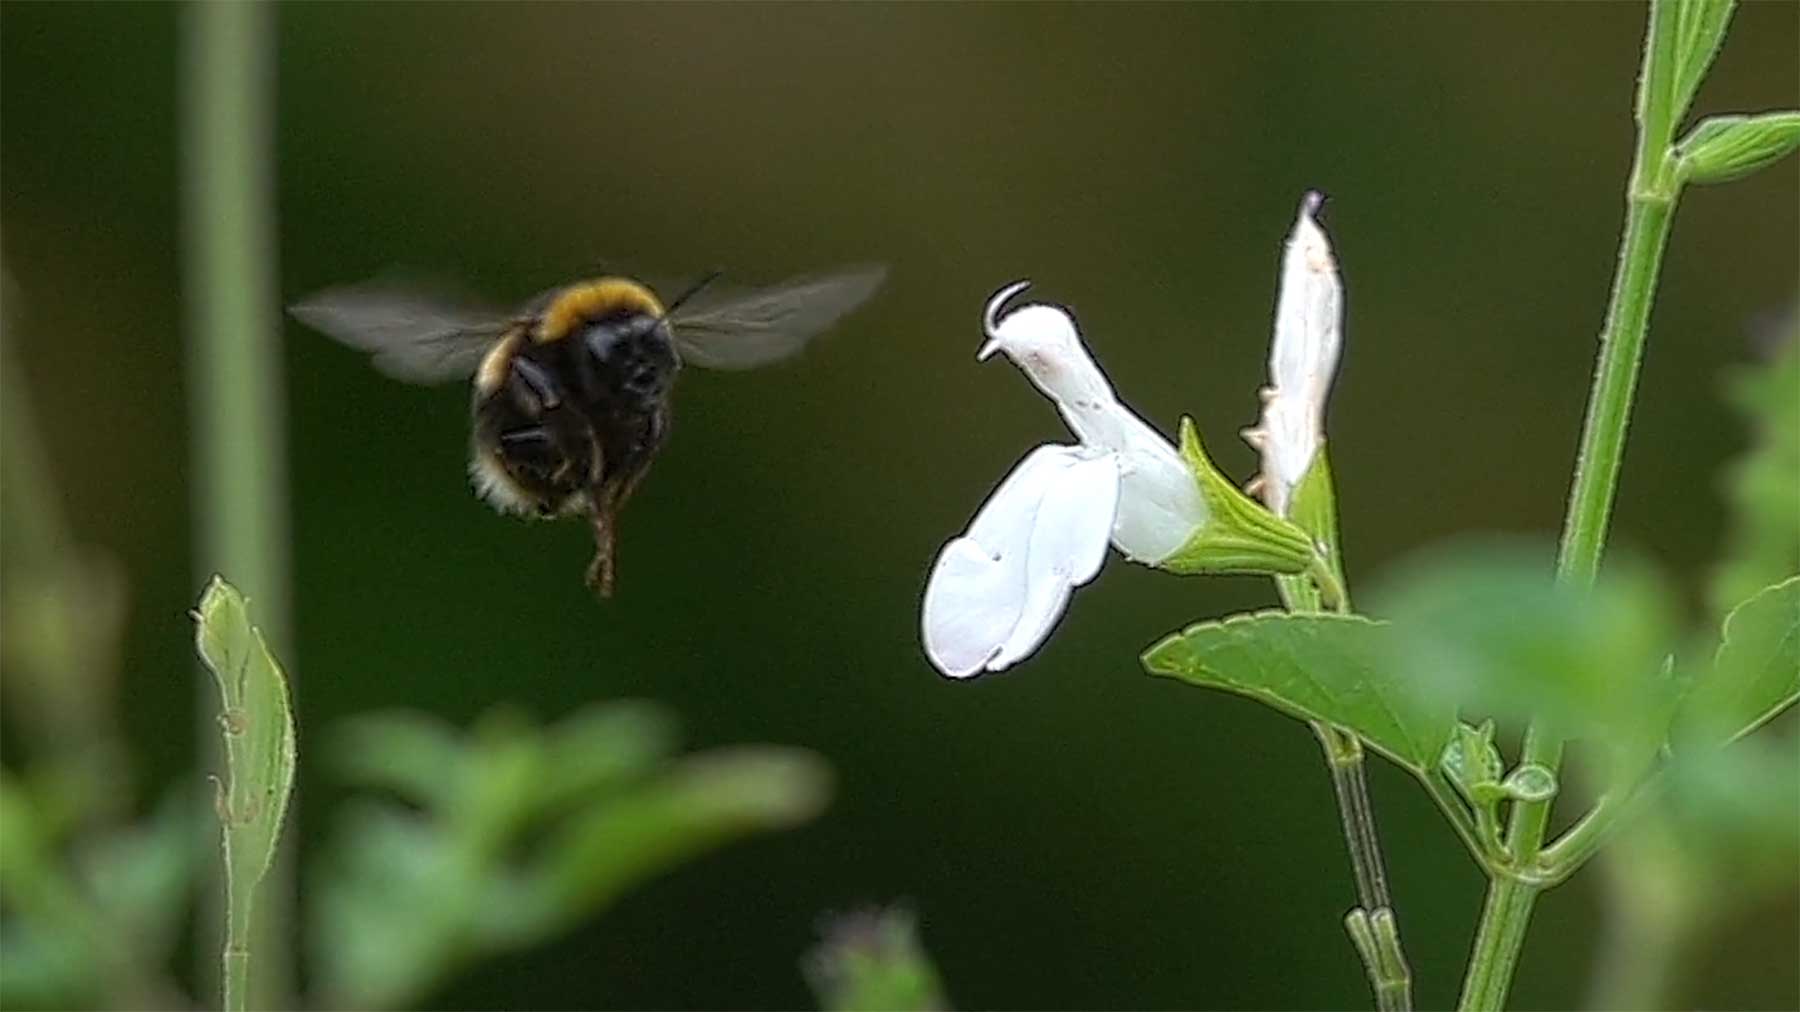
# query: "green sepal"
1472,762
1724,148
1240,535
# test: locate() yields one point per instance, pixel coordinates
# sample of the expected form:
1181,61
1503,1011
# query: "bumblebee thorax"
588,301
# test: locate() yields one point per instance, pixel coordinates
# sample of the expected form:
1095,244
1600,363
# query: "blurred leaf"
413,754
392,909
142,877
1736,814
258,725
544,826
602,746
1756,673
1485,628
1763,545
705,801
1724,148
43,969
872,961
1315,667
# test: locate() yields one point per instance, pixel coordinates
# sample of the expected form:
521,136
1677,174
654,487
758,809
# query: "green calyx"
1240,535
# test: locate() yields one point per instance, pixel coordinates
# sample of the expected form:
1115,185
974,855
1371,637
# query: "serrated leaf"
1724,148
258,724
1316,667
1530,782
1756,672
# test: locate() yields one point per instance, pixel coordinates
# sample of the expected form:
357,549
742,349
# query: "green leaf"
1699,30
1756,672
1763,542
1723,148
1316,667
416,755
258,725
702,802
1530,782
1486,628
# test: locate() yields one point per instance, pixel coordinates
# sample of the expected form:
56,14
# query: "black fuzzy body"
571,425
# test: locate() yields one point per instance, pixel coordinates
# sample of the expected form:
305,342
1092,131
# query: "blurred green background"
1073,834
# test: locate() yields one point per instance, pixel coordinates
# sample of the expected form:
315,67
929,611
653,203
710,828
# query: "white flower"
1302,359
997,591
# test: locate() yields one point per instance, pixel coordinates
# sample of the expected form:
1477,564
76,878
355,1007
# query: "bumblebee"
571,393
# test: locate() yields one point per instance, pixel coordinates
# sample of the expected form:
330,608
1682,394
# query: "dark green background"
1075,833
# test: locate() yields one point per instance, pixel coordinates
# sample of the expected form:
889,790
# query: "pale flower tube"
996,591
1303,359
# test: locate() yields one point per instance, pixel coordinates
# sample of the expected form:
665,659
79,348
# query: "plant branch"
1372,924
1650,201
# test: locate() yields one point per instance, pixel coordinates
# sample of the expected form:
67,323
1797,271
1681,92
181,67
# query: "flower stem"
1650,202
1372,924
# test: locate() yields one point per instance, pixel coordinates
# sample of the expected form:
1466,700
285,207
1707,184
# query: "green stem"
1650,202
235,366
1379,941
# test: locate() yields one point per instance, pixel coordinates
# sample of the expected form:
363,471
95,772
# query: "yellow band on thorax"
590,300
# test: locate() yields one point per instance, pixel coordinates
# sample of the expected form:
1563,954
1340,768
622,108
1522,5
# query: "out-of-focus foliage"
1762,487
1755,672
873,961
1485,627
90,914
505,836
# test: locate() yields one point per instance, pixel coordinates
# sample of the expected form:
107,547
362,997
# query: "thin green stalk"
234,364
1650,201
1372,925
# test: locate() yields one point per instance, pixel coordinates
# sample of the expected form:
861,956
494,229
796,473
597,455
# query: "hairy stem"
1650,202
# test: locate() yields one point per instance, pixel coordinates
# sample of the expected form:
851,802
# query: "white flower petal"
1068,545
995,592
1302,359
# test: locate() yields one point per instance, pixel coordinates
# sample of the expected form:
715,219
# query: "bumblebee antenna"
692,290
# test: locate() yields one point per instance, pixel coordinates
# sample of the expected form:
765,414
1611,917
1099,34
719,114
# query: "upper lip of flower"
990,317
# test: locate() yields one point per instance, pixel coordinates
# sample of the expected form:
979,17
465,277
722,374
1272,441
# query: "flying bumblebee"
572,391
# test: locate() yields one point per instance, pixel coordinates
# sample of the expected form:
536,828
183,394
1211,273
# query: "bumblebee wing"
412,336
746,328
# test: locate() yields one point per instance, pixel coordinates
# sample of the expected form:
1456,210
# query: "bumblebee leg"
534,441
600,572
533,388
